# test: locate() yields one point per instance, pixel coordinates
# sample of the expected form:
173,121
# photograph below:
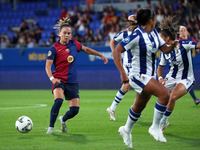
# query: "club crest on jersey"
126,40
70,58
67,50
49,53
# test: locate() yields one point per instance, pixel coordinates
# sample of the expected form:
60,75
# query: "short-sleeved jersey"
64,60
127,59
180,60
143,47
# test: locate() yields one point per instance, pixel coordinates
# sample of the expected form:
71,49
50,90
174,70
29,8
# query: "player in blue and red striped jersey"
63,55
184,36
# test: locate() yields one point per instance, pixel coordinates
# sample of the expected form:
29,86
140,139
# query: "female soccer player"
180,78
143,45
64,79
184,36
126,63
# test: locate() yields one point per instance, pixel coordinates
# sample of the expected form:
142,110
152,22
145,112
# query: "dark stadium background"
24,49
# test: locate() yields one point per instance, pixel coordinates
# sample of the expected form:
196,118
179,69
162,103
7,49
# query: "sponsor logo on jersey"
67,50
70,58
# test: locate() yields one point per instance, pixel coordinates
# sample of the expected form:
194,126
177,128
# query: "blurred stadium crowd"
30,24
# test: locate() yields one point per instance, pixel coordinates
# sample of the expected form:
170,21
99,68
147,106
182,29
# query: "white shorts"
171,83
138,82
127,68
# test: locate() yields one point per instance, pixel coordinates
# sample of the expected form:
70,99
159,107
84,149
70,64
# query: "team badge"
67,50
70,58
49,53
143,77
126,40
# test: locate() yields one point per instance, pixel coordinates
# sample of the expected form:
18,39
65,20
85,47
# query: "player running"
143,46
126,64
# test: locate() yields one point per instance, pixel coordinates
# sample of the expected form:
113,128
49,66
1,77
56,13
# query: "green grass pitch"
91,129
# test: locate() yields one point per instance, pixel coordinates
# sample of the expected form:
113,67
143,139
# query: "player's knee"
74,111
165,95
58,101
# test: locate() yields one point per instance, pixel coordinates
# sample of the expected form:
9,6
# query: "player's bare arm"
198,45
167,49
49,63
160,74
93,52
112,45
118,62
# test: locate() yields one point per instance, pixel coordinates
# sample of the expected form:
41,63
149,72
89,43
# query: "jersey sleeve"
52,53
130,41
160,40
78,45
119,37
163,61
188,45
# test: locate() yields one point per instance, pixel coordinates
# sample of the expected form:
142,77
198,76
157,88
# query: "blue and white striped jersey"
180,60
127,58
143,48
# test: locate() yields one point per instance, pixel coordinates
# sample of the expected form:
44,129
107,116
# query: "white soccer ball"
24,124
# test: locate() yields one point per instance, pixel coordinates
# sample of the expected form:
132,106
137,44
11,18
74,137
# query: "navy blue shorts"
71,90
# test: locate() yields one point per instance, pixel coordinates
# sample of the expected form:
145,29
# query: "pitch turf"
91,129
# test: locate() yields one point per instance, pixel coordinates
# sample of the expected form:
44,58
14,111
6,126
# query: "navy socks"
55,111
73,111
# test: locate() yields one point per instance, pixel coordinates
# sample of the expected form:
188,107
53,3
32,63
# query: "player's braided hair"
167,27
62,23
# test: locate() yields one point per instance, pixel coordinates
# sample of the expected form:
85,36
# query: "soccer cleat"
112,113
126,137
50,130
63,124
164,125
197,101
157,134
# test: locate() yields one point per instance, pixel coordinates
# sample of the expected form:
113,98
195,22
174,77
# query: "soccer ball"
24,124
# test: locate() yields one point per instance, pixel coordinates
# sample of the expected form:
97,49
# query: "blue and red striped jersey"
64,60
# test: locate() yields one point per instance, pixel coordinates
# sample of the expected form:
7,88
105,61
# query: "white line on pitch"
36,105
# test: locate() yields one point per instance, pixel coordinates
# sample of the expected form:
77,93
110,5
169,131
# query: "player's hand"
55,81
124,78
162,81
174,44
104,59
197,51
